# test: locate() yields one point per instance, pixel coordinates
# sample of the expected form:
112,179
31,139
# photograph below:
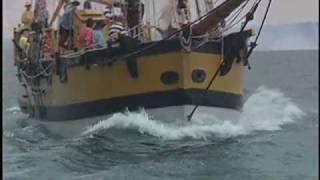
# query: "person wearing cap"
108,14
24,39
66,22
117,27
116,30
27,15
99,36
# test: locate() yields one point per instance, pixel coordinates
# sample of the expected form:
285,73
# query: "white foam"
265,110
13,109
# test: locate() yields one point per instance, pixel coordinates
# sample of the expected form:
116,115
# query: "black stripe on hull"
148,101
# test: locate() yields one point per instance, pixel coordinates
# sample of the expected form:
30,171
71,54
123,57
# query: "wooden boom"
215,16
56,12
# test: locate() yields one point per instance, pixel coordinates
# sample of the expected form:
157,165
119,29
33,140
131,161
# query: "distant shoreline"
286,50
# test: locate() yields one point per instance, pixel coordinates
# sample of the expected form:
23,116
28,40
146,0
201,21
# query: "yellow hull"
161,77
104,82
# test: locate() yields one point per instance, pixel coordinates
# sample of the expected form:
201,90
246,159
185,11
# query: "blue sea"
276,137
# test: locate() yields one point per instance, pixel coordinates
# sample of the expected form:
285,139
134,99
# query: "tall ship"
177,62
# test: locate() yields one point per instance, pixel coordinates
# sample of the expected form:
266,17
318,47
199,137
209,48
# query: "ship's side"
164,76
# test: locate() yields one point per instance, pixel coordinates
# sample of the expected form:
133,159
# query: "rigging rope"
39,74
212,79
165,39
222,60
254,44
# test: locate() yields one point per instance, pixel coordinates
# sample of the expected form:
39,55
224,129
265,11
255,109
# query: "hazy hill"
290,37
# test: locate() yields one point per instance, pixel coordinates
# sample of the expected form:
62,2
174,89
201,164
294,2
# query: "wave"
14,109
265,110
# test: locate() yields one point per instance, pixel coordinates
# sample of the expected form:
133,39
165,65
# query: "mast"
41,13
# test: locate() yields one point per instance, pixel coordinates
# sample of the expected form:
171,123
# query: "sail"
171,17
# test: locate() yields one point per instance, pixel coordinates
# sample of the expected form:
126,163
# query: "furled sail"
171,17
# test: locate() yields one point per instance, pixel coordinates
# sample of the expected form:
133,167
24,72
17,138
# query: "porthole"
199,76
169,77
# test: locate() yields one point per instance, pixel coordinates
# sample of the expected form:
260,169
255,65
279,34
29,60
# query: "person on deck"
117,27
66,22
86,37
87,5
98,35
108,14
24,39
183,13
175,14
48,45
27,15
135,15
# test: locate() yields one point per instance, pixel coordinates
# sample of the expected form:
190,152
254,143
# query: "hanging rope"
221,63
212,79
254,44
186,42
44,72
250,14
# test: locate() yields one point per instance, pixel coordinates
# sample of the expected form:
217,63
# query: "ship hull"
163,77
147,101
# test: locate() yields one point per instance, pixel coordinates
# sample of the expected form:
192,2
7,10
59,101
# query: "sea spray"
266,110
13,109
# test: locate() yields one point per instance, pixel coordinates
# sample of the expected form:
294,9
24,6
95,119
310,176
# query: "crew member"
108,14
27,15
183,13
135,16
48,44
117,28
174,16
87,5
24,39
99,36
66,23
86,38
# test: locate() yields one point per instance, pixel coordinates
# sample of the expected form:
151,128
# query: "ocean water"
275,138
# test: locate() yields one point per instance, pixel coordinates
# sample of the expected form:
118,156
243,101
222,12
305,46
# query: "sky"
293,11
